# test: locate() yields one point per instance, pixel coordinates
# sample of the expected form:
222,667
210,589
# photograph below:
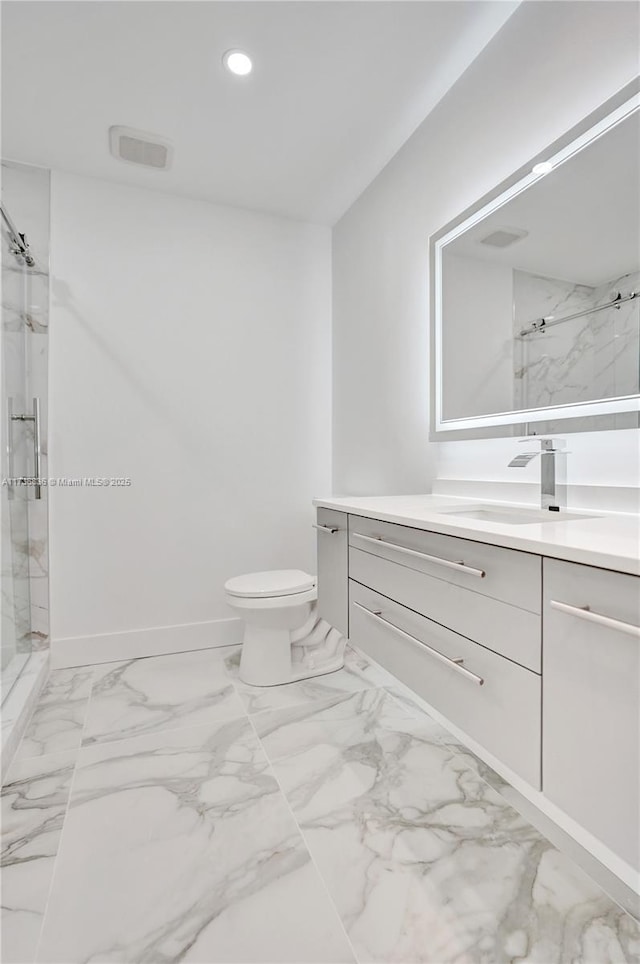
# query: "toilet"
284,639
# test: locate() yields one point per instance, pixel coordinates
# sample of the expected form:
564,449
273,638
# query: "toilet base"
273,657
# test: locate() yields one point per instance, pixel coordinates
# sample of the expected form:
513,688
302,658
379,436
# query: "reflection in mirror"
539,299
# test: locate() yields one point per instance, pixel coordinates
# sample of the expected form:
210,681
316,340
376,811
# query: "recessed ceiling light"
543,168
237,62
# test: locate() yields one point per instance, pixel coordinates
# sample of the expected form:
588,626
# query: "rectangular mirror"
536,290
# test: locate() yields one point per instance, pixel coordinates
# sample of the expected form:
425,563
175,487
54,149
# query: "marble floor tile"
11,672
34,802
179,846
357,674
619,891
58,719
19,704
160,692
424,860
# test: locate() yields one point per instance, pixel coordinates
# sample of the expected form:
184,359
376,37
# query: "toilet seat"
266,603
269,585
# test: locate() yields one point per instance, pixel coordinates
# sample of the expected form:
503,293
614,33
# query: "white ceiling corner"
337,88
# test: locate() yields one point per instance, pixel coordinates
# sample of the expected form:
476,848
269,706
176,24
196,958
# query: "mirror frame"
600,413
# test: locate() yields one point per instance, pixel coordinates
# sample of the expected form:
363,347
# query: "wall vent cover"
140,147
503,237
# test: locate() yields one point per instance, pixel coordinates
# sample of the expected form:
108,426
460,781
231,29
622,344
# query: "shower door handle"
37,451
35,418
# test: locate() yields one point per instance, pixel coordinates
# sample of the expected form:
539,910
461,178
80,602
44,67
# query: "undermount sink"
507,515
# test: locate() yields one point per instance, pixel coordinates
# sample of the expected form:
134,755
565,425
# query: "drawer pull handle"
583,612
321,528
455,663
459,566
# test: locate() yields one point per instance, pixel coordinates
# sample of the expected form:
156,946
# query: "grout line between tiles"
304,840
64,820
43,757
305,701
315,705
243,714
159,728
158,731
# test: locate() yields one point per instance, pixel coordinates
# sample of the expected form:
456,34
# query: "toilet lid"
277,582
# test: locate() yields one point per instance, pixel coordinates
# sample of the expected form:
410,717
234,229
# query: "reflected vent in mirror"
140,147
503,237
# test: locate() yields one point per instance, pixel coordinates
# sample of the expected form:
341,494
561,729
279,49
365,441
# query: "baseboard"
136,643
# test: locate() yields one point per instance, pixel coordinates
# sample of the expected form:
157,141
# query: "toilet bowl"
284,639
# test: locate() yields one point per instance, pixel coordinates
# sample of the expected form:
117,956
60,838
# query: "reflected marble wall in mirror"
537,306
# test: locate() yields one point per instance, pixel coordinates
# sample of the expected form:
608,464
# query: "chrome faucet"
549,488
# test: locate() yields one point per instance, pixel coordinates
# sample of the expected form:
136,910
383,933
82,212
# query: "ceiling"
582,219
337,88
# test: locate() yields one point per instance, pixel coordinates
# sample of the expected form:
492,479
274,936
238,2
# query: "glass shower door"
17,463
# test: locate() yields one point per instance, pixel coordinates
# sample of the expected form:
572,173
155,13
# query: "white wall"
601,470
549,66
190,351
477,341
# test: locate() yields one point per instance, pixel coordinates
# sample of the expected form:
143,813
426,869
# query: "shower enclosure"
24,229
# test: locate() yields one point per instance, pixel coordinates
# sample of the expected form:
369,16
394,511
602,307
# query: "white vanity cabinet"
459,622
486,593
521,644
492,699
332,541
591,716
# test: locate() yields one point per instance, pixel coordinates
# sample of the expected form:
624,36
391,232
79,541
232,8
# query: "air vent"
503,237
140,147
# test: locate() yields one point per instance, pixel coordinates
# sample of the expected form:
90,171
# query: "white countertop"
609,540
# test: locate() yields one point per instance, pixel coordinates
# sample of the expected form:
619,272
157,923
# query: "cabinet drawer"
332,558
503,628
592,701
505,574
502,714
